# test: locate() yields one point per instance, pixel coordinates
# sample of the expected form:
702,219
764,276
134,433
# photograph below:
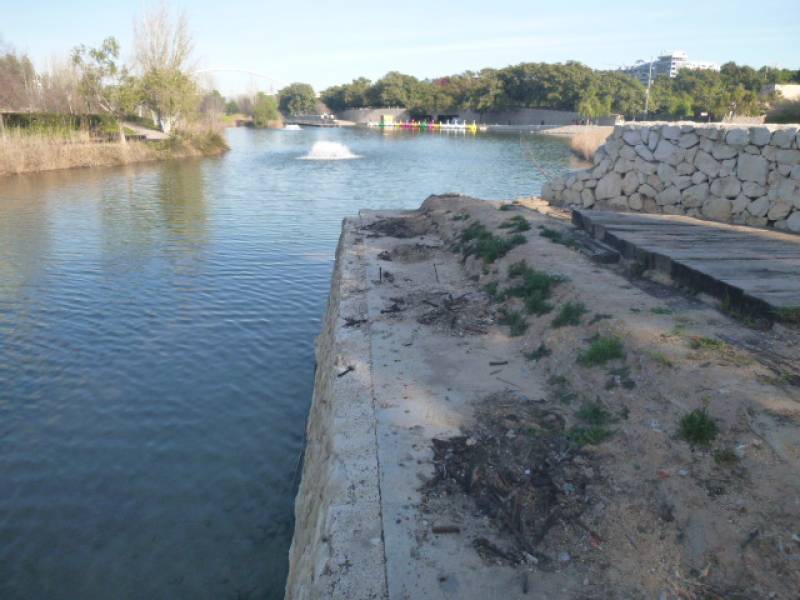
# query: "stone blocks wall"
727,173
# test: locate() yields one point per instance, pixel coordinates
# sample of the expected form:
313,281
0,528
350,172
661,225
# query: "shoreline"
421,373
40,156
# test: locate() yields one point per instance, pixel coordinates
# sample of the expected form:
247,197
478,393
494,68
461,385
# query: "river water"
157,325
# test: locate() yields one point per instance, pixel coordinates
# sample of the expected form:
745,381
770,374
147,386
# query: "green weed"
557,237
600,317
602,350
515,320
533,287
725,456
660,310
570,314
478,241
697,428
541,352
517,224
697,342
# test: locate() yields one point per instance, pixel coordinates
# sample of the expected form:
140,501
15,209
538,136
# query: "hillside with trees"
570,86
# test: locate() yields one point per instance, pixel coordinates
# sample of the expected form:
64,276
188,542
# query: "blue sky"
326,43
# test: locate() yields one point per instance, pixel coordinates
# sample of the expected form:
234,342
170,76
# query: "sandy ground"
509,466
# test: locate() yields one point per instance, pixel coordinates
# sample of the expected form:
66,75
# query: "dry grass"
22,152
586,142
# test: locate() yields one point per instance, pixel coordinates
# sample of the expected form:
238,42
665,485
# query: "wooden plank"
757,268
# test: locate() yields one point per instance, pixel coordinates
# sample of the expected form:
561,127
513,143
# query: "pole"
647,93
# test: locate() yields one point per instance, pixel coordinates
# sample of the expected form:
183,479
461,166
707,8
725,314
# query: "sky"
329,43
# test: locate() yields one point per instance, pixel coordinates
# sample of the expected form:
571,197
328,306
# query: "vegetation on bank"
81,111
571,86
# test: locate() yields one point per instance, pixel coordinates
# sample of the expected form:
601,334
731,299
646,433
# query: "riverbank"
494,413
28,153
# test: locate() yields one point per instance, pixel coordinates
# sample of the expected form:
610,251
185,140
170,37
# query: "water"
156,351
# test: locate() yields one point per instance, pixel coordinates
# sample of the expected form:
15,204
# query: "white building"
667,64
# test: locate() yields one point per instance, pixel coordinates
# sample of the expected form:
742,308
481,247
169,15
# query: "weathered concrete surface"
752,268
365,524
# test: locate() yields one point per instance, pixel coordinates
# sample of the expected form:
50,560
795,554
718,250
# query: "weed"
637,269
660,310
557,237
592,435
541,352
725,456
621,375
662,359
507,206
570,314
474,278
698,342
599,317
593,413
789,315
462,217
697,428
478,241
515,320
534,287
602,350
491,289
516,224
561,389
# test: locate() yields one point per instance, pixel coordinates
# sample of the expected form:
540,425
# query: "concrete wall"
364,115
742,175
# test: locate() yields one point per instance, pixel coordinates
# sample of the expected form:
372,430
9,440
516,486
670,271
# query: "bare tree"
164,61
59,88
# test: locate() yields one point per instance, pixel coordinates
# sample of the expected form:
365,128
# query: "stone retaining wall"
742,175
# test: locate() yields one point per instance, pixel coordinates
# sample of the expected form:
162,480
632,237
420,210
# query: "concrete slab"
753,269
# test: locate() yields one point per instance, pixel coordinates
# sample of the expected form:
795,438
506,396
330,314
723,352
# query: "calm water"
156,351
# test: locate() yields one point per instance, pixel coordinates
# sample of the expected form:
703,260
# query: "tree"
213,103
297,99
163,57
265,110
104,85
17,82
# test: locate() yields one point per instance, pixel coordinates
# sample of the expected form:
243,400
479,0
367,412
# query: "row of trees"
294,99
95,81
570,86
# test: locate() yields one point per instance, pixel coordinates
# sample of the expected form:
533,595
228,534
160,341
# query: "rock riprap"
728,173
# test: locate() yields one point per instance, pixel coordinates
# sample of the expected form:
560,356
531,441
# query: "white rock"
793,222
752,168
609,186
644,152
737,137
587,198
788,157
632,137
635,201
759,207
778,211
783,138
740,204
665,151
688,140
647,190
665,172
670,195
756,221
760,136
707,164
723,151
644,166
629,183
727,187
695,195
795,174
717,209
603,168
627,153
699,177
751,189
671,132
789,192
685,168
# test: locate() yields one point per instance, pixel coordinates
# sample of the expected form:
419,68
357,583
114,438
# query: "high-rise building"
667,64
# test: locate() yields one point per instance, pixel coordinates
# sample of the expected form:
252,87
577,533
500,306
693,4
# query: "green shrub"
516,224
541,352
533,287
478,241
602,350
725,456
515,320
697,428
570,314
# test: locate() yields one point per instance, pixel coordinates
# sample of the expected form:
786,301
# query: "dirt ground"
591,462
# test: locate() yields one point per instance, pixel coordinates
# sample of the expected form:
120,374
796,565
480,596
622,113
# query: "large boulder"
783,138
717,209
779,210
727,187
793,222
759,207
707,164
665,151
670,195
610,186
752,168
737,137
630,182
760,136
723,151
695,195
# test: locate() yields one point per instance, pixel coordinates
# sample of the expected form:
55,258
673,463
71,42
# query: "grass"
507,206
533,287
662,359
602,350
516,224
624,376
698,342
491,289
789,315
462,217
594,417
515,320
570,314
541,352
725,456
478,241
561,389
555,236
24,152
660,310
600,317
697,428
586,142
